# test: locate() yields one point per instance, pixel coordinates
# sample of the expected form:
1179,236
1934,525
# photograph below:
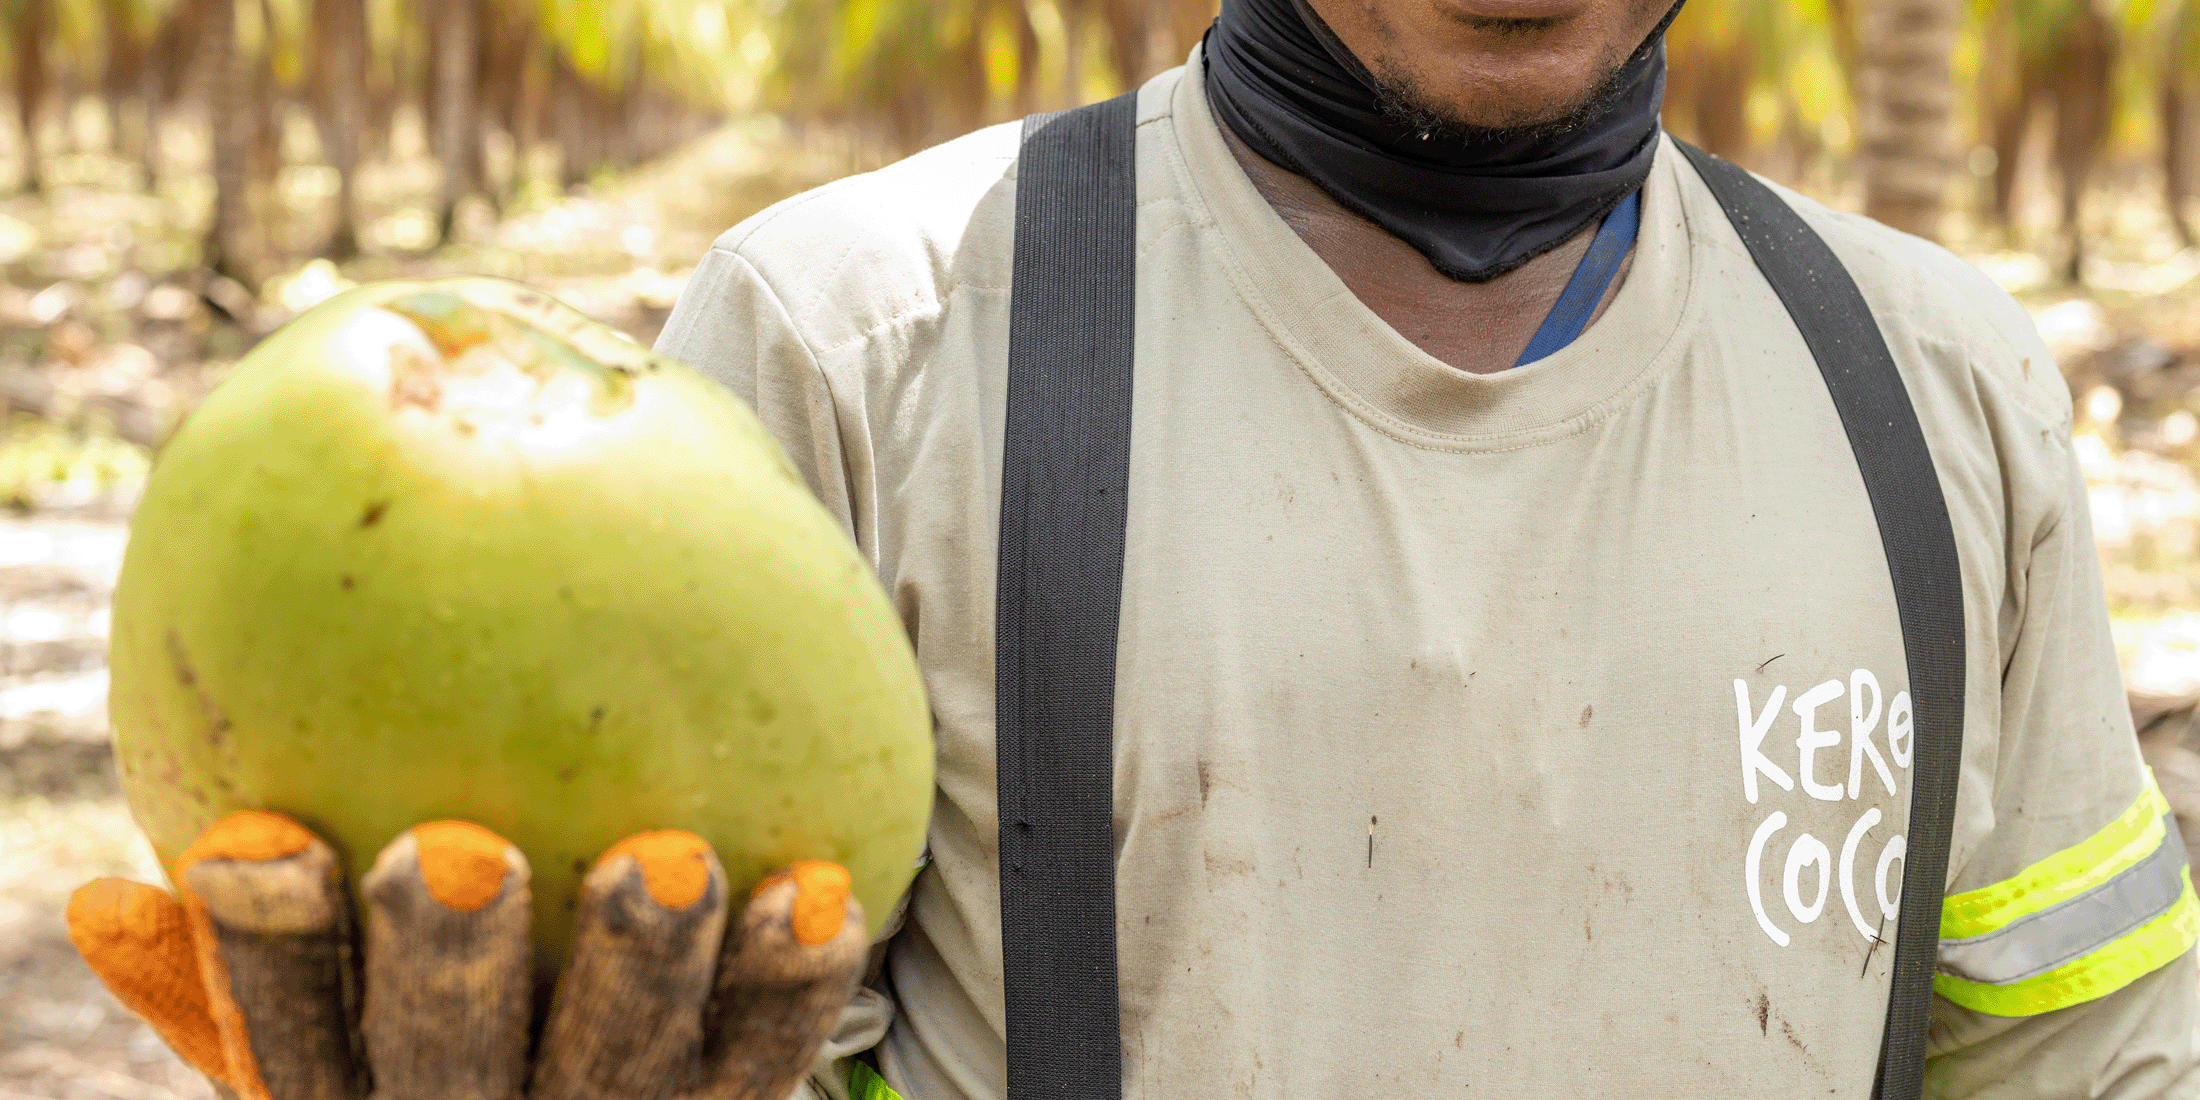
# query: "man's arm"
2138,1042
2079,874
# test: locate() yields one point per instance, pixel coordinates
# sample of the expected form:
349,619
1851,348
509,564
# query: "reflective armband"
2080,924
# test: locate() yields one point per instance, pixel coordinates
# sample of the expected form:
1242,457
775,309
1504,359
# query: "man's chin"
1410,103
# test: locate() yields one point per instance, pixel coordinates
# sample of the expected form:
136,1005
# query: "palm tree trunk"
531,114
232,118
339,86
1027,59
33,24
1842,25
2176,121
267,120
151,96
1907,95
1074,17
453,118
1163,32
507,45
1707,89
572,123
962,71
2007,94
169,58
2083,110
1189,21
118,75
1121,19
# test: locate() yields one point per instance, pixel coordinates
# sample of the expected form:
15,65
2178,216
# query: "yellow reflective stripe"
864,1083
2114,966
2062,876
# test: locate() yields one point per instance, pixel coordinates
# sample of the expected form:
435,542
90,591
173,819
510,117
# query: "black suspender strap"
1921,556
1065,470
1064,485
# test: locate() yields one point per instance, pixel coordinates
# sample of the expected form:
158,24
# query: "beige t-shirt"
1602,650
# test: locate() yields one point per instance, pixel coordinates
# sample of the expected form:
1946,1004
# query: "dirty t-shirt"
1512,735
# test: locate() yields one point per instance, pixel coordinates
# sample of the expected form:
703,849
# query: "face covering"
1477,205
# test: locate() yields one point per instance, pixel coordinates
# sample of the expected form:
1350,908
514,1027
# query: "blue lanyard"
1578,302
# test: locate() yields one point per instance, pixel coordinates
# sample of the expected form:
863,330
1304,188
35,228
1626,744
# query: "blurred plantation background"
267,102
178,177
262,123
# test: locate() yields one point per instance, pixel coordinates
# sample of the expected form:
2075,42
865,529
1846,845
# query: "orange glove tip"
462,863
675,864
251,835
821,889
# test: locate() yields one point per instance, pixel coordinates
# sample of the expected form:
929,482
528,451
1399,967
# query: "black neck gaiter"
1477,207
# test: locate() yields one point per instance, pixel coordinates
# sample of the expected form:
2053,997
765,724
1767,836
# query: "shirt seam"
817,367
818,352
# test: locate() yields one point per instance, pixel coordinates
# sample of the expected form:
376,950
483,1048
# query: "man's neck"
1480,328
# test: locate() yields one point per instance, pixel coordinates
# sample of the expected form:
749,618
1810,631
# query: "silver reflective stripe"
2036,943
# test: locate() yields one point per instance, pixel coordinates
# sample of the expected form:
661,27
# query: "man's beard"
1403,101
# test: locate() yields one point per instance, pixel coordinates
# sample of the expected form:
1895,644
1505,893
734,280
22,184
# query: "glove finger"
135,937
628,1022
447,961
791,962
264,899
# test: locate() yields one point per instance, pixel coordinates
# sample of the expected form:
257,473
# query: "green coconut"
452,550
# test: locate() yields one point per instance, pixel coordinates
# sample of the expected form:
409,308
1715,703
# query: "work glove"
252,971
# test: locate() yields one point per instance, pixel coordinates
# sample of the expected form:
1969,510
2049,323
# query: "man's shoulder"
1921,291
889,244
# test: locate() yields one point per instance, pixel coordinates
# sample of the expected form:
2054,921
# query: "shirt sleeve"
2066,958
729,325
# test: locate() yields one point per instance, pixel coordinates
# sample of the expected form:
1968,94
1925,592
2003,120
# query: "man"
1481,729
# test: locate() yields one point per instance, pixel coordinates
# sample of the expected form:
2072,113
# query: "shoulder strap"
1921,556
1065,471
